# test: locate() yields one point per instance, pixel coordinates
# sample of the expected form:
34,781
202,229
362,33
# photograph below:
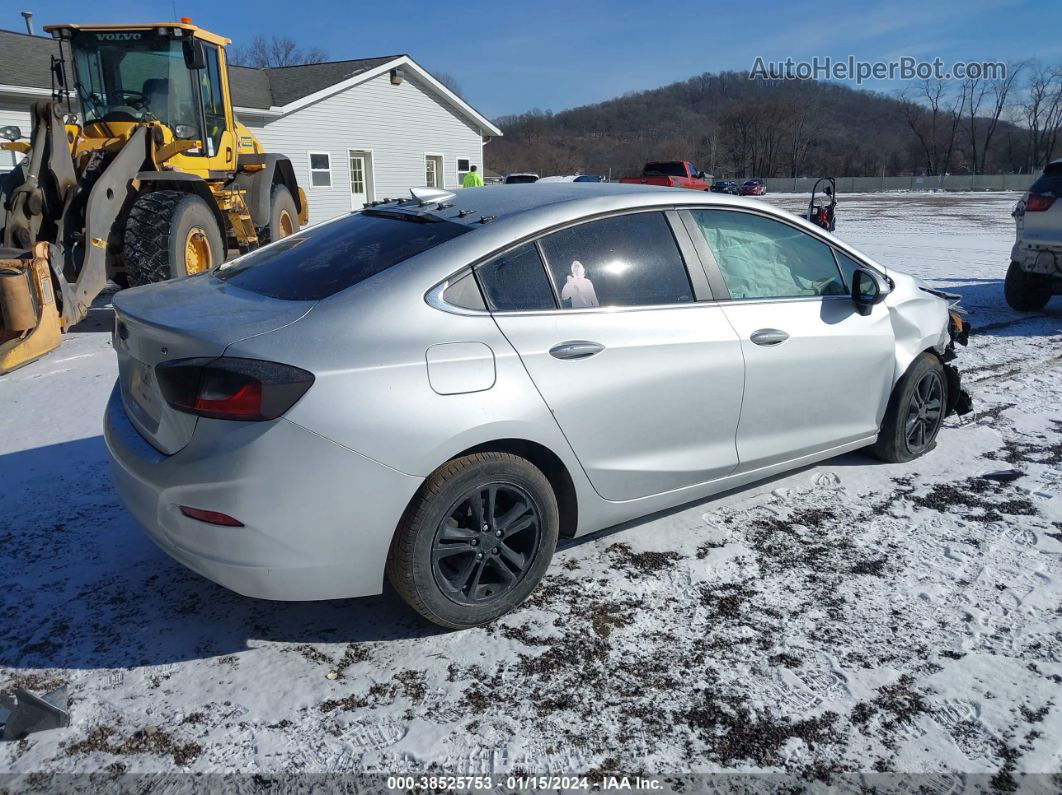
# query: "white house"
355,130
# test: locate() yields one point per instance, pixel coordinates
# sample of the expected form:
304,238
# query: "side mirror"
58,72
194,54
185,132
11,132
868,288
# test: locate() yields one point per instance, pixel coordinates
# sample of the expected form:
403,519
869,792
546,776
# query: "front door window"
759,257
213,101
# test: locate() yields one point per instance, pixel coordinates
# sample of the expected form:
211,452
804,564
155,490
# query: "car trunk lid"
196,317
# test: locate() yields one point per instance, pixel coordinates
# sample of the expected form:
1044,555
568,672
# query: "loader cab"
170,73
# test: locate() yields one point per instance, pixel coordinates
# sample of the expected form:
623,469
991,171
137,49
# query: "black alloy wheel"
925,412
486,543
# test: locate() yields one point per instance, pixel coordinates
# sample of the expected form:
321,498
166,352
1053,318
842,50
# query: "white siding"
398,124
13,112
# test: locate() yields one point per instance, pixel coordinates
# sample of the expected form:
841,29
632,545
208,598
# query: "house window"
464,165
320,170
8,161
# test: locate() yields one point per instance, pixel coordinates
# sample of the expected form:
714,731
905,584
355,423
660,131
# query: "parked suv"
1035,272
725,186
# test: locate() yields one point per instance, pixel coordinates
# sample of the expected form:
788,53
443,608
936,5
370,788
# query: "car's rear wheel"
915,412
1026,292
475,541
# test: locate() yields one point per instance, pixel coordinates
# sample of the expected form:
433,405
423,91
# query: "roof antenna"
463,213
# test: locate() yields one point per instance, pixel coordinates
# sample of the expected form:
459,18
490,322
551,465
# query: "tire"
923,385
1026,292
170,234
283,216
462,590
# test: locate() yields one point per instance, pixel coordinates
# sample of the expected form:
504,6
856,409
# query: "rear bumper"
1042,258
318,518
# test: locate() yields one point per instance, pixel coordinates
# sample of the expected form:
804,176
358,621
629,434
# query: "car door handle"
575,349
769,336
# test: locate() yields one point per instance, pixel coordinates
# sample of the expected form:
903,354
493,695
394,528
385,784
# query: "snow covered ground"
852,616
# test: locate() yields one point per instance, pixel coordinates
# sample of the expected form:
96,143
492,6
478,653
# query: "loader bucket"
29,319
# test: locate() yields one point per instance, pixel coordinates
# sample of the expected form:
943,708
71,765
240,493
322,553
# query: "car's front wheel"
915,412
1026,292
476,539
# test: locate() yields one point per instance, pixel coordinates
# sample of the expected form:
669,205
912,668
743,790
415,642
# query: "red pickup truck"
671,174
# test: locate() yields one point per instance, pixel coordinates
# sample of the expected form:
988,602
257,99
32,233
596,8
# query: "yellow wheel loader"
149,177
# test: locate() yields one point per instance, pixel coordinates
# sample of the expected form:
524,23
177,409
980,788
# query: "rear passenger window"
462,291
1050,181
763,258
516,281
629,260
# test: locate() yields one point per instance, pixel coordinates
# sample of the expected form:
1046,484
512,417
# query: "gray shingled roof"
25,61
249,87
290,83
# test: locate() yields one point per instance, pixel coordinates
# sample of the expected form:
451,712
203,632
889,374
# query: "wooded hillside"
730,125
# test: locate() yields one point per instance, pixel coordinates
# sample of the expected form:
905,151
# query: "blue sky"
511,56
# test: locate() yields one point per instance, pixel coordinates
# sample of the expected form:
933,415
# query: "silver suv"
1035,272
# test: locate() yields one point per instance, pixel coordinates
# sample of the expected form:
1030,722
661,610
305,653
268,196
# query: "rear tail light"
232,389
210,517
1038,202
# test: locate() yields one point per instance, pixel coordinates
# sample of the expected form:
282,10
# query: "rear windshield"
520,179
325,259
665,169
1050,181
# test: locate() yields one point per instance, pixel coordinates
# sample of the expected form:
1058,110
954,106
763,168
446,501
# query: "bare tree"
263,53
1042,113
996,91
933,114
450,82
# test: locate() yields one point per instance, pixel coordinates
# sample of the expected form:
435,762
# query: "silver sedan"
434,390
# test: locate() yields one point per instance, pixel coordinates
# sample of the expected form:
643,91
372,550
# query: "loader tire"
1026,292
283,216
170,234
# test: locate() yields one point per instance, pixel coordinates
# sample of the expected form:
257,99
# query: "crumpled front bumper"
959,400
